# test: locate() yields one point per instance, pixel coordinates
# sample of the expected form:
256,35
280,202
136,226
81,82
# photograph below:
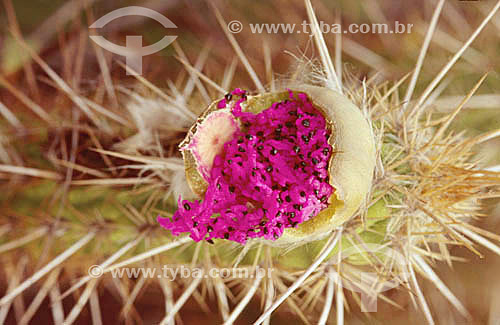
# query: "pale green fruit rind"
351,167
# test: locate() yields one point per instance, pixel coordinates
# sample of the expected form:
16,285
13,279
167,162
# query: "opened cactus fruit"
282,166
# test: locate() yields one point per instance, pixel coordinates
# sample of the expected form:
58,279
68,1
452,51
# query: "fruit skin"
226,125
351,166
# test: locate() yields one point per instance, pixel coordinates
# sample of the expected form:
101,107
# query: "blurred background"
57,32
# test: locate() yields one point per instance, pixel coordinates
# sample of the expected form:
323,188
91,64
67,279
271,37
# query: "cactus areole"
260,165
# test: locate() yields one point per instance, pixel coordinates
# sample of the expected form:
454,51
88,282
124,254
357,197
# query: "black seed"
278,214
316,173
303,194
260,133
263,177
289,124
290,140
325,151
257,188
278,224
195,224
323,199
222,172
296,166
244,213
262,223
292,113
297,207
231,189
301,156
292,214
288,198
244,96
229,161
260,147
249,136
240,163
210,229
316,192
228,96
253,174
226,235
274,187
296,149
305,123
315,161
279,200
303,163
187,207
295,224
246,124
215,220
218,186
276,236
230,228
210,241
265,231
304,170
240,140
274,151
240,149
305,138
269,169
237,155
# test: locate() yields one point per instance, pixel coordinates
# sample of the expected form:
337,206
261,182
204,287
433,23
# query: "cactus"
399,190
